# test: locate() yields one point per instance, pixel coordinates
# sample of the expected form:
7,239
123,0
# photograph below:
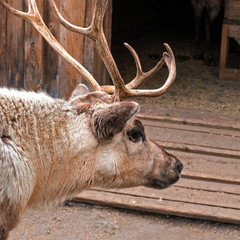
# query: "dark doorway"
146,25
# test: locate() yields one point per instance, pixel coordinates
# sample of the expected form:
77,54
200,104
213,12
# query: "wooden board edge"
180,195
190,117
148,205
235,154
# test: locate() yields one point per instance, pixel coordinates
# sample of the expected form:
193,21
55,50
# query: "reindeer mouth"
156,183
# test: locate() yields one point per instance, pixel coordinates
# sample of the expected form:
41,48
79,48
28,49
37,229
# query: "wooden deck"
209,147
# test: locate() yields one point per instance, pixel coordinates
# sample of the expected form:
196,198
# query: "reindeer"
52,149
209,9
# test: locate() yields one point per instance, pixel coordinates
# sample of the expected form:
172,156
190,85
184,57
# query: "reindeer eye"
135,135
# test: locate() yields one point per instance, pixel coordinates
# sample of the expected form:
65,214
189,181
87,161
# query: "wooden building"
27,61
230,30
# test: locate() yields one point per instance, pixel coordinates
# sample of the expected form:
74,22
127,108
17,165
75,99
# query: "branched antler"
95,32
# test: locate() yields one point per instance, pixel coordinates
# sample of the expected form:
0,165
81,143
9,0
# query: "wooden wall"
27,61
229,68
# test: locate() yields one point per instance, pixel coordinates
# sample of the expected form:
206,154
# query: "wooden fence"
27,61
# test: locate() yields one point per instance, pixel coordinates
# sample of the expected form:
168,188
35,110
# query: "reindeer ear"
110,120
79,90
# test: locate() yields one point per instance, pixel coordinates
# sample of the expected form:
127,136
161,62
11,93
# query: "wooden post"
3,47
224,46
88,52
74,11
91,60
51,79
15,47
33,61
100,71
230,29
60,77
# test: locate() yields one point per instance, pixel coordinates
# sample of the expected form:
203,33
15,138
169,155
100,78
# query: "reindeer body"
40,139
30,129
52,149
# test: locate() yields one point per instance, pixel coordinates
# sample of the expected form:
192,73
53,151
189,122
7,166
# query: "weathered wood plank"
51,58
88,51
206,185
107,25
15,46
3,47
224,50
230,74
232,9
74,11
99,69
198,166
225,160
185,195
60,77
176,208
194,135
191,126
207,151
234,154
33,61
190,116
234,32
230,29
203,139
91,60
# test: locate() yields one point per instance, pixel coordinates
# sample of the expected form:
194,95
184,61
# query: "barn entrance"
147,26
197,119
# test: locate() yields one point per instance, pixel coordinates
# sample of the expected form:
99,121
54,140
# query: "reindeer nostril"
179,167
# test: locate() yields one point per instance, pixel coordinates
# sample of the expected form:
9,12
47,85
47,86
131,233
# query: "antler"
142,77
95,32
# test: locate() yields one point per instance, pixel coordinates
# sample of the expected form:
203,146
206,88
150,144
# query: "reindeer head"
125,156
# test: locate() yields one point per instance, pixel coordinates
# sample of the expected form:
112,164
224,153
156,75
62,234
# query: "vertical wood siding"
27,61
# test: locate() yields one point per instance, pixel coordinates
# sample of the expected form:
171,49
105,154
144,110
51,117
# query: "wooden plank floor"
209,147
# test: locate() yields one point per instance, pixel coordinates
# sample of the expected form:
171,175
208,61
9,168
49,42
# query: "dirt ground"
196,87
90,222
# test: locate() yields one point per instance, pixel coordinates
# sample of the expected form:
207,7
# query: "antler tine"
16,12
96,25
34,17
67,24
141,77
138,67
171,64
